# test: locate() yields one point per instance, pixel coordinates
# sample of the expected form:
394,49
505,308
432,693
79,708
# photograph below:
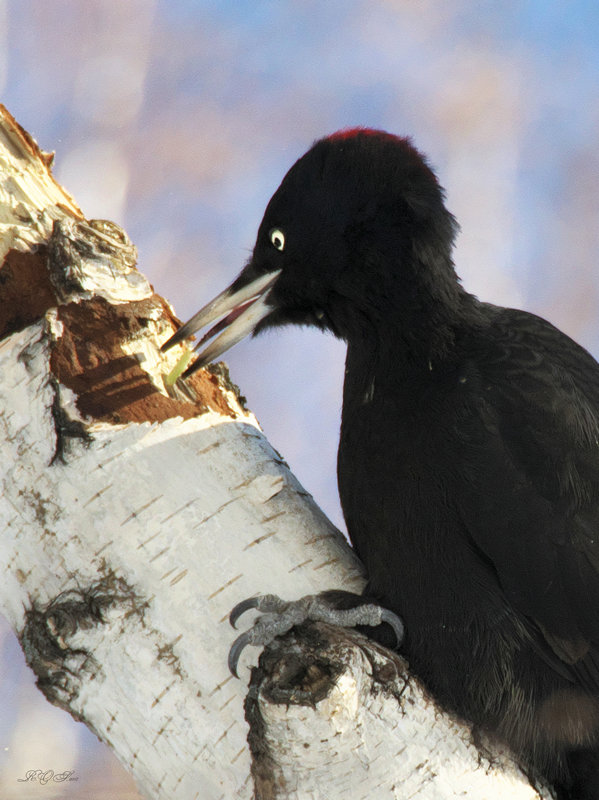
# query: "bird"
468,462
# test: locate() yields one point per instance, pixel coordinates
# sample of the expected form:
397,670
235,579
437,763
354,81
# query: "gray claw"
241,608
278,616
236,650
398,627
268,603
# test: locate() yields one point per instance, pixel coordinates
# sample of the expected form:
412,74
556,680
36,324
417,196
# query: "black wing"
530,493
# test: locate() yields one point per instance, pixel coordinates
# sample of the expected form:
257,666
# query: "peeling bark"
134,517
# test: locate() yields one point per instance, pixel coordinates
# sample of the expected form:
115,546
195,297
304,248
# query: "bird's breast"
396,474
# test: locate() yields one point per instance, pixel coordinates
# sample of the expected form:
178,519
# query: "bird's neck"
411,336
412,300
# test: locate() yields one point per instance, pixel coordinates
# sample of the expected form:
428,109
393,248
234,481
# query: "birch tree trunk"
132,520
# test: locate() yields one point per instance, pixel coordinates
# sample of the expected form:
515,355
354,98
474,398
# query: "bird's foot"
279,616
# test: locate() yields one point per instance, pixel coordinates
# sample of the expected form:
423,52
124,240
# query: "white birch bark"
127,536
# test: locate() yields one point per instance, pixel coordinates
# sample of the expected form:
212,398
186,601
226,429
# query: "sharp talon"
236,650
241,608
398,627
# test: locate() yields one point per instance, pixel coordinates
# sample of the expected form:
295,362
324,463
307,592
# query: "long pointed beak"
241,310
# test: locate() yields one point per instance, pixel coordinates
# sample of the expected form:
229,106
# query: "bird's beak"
241,310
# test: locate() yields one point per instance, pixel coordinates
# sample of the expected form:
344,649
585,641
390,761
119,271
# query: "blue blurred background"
178,118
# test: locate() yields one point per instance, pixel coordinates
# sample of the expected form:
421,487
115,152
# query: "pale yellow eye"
277,238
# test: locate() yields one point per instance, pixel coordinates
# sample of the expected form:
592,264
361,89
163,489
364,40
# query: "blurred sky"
177,119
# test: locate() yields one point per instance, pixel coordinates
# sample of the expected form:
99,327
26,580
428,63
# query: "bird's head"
357,231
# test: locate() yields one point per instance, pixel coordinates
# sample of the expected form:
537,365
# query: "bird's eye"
277,237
